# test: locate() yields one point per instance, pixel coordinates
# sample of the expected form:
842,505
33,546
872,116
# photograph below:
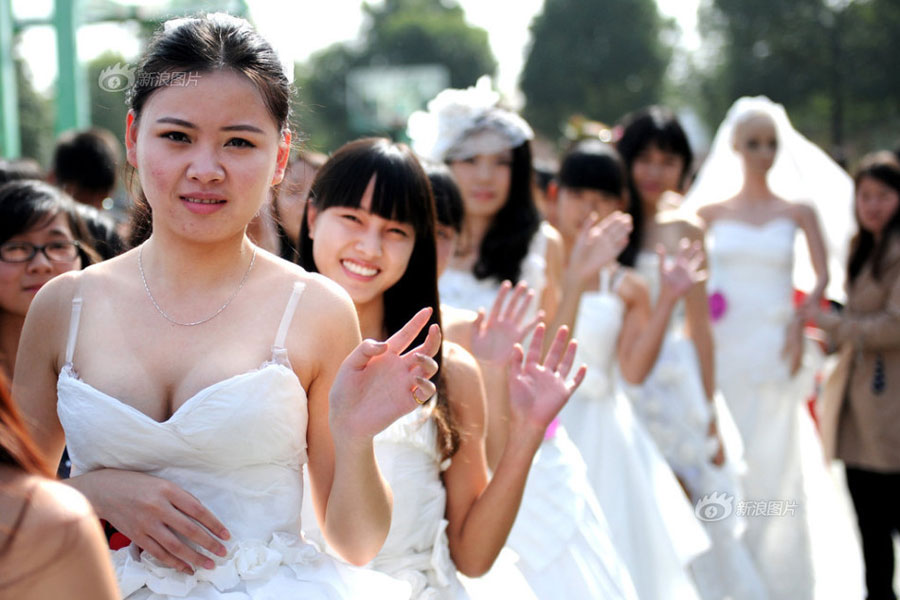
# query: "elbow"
634,375
474,567
359,559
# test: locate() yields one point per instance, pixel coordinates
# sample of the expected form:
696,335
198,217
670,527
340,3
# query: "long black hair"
448,202
506,241
402,193
885,168
204,44
657,126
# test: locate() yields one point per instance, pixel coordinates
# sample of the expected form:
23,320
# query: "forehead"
757,125
48,224
211,99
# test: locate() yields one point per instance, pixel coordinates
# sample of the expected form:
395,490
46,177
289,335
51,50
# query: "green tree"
824,60
35,118
108,108
399,32
601,59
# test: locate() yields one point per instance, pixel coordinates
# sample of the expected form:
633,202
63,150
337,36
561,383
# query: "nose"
205,166
39,263
483,170
369,243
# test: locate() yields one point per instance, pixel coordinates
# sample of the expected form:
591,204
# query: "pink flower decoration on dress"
717,306
551,429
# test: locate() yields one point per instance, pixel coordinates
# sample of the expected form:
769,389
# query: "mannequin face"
756,142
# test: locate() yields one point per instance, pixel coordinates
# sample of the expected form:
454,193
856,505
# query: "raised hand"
678,276
598,243
495,333
158,516
378,383
538,390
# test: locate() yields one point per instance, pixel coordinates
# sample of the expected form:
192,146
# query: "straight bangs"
26,205
593,166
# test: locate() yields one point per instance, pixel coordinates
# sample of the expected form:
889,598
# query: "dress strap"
74,320
604,280
288,315
616,278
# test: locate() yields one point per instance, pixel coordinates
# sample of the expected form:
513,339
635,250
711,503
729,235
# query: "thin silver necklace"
201,321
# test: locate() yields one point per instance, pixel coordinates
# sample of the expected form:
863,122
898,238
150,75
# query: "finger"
515,360
499,300
193,508
524,306
660,253
512,308
531,324
568,359
364,352
554,355
537,341
479,319
149,545
165,538
579,377
427,365
432,342
406,334
426,389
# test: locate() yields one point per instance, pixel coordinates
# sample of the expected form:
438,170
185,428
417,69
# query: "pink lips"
203,204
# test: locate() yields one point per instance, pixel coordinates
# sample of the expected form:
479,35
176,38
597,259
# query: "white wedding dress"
799,533
239,447
561,536
652,523
672,405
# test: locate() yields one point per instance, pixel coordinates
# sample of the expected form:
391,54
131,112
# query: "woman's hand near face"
379,383
680,275
597,245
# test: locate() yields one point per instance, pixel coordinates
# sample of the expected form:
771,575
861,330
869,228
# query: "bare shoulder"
710,212
632,287
802,212
327,298
462,377
456,325
555,247
54,504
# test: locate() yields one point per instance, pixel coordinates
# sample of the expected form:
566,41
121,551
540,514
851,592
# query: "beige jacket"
861,415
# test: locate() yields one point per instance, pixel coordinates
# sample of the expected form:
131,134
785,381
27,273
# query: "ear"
281,159
311,213
553,190
131,138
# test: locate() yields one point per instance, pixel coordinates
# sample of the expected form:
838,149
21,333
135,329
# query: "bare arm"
698,325
350,401
554,256
482,514
808,221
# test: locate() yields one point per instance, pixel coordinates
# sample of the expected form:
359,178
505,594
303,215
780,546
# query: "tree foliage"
824,60
601,59
35,118
399,32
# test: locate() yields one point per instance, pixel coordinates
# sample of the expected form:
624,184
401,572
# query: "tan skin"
192,144
755,204
480,510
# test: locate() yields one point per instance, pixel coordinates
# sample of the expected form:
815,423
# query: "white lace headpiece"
801,171
460,124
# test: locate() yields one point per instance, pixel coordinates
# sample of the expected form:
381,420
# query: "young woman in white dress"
193,377
370,227
608,307
561,536
803,545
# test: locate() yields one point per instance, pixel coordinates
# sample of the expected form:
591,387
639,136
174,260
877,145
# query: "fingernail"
208,564
225,534
221,551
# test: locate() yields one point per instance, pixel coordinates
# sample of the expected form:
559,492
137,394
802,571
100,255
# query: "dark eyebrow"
189,125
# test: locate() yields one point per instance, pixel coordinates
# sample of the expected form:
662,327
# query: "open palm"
494,334
538,390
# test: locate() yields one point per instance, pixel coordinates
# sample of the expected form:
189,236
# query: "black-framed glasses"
20,252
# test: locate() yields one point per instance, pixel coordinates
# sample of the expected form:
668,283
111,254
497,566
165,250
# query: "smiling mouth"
203,200
359,269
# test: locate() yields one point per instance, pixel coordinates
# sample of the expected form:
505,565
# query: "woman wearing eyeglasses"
41,236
